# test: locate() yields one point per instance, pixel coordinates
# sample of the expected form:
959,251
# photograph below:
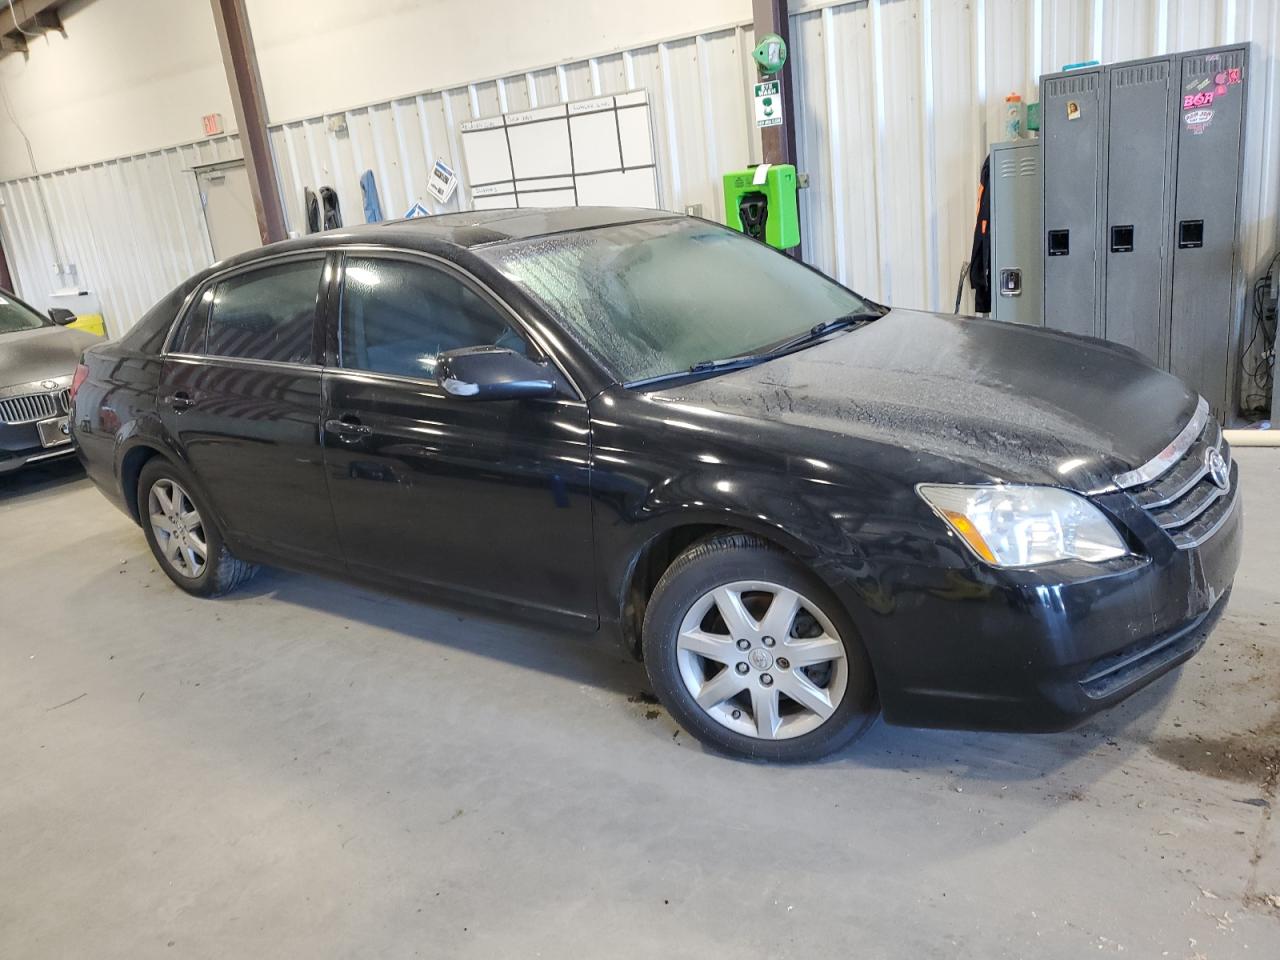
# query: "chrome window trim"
400,379
1160,464
248,362
321,252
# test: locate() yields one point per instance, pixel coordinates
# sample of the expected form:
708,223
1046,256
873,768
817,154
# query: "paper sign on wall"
442,181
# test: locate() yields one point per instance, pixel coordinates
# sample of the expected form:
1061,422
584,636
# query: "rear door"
484,498
240,394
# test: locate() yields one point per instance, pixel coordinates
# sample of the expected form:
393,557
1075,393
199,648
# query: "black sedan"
798,506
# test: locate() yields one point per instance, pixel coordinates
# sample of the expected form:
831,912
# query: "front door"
241,395
486,498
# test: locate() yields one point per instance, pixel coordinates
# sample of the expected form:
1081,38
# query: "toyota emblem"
1219,472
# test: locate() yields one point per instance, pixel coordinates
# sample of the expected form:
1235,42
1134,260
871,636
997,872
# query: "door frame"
195,170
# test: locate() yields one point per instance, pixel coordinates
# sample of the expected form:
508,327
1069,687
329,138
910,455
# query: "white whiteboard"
596,152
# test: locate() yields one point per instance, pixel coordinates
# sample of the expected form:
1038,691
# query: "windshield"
655,298
15,316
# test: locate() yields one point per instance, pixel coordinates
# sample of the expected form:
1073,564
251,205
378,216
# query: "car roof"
466,229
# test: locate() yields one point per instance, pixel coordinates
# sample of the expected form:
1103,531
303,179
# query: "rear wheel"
183,536
753,655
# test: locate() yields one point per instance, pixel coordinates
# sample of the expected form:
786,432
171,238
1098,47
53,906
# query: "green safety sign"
768,104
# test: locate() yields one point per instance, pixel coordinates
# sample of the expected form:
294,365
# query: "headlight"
1021,526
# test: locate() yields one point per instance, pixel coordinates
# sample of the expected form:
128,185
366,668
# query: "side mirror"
492,373
61,316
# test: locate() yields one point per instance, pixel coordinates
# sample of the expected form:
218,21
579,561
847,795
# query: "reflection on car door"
240,393
487,498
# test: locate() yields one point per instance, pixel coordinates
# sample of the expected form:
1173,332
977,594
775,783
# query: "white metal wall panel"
898,101
132,228
697,92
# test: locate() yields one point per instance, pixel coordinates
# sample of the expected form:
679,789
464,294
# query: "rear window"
266,314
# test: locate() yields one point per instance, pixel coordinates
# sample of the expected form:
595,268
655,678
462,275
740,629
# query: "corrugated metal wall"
697,92
899,99
132,228
896,103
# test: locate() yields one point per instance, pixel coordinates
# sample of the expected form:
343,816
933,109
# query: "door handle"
348,429
181,401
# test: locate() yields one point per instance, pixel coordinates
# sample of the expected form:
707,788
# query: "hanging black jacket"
980,256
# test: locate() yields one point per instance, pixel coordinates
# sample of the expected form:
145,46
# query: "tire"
748,709
163,486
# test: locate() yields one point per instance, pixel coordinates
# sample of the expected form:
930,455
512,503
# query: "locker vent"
1195,66
1027,166
1143,73
1070,86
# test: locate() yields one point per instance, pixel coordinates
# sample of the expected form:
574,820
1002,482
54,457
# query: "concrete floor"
306,769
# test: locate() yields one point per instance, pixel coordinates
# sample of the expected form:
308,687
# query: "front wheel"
183,535
753,655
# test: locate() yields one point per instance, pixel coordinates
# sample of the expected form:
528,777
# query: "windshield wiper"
818,331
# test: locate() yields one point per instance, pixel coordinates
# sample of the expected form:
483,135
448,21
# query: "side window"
267,314
398,316
190,335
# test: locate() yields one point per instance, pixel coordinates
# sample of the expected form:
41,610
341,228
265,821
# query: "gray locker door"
1204,222
1017,280
1134,244
1071,131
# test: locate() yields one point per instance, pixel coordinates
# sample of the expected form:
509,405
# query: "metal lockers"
1142,166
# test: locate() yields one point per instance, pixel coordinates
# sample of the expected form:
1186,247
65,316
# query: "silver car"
38,360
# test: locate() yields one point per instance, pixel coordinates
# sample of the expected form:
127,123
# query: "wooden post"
778,143
240,60
6,278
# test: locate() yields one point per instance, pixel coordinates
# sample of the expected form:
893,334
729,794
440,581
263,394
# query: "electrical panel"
1142,170
1017,278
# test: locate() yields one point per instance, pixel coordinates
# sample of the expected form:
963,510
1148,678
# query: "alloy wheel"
762,659
179,531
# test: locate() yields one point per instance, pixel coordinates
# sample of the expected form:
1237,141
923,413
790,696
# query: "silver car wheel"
179,531
762,660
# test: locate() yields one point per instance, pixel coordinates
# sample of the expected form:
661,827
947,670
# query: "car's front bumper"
973,647
20,446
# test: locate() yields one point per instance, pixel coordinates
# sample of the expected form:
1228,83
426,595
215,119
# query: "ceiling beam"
35,16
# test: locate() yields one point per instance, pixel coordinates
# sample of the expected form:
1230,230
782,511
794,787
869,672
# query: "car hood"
1016,403
46,353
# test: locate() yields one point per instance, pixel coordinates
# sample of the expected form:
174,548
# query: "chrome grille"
34,406
1184,500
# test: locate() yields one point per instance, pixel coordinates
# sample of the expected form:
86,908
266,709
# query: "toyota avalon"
799,507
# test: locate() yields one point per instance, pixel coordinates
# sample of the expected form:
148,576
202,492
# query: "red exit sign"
212,124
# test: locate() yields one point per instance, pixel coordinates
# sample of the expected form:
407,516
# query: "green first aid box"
767,211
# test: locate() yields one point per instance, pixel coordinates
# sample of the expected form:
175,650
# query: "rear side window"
267,314
398,316
189,337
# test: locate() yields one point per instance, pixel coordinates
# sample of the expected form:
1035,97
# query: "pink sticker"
1193,101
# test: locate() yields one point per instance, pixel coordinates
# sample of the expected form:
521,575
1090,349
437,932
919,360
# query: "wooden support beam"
240,61
13,43
6,278
778,143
